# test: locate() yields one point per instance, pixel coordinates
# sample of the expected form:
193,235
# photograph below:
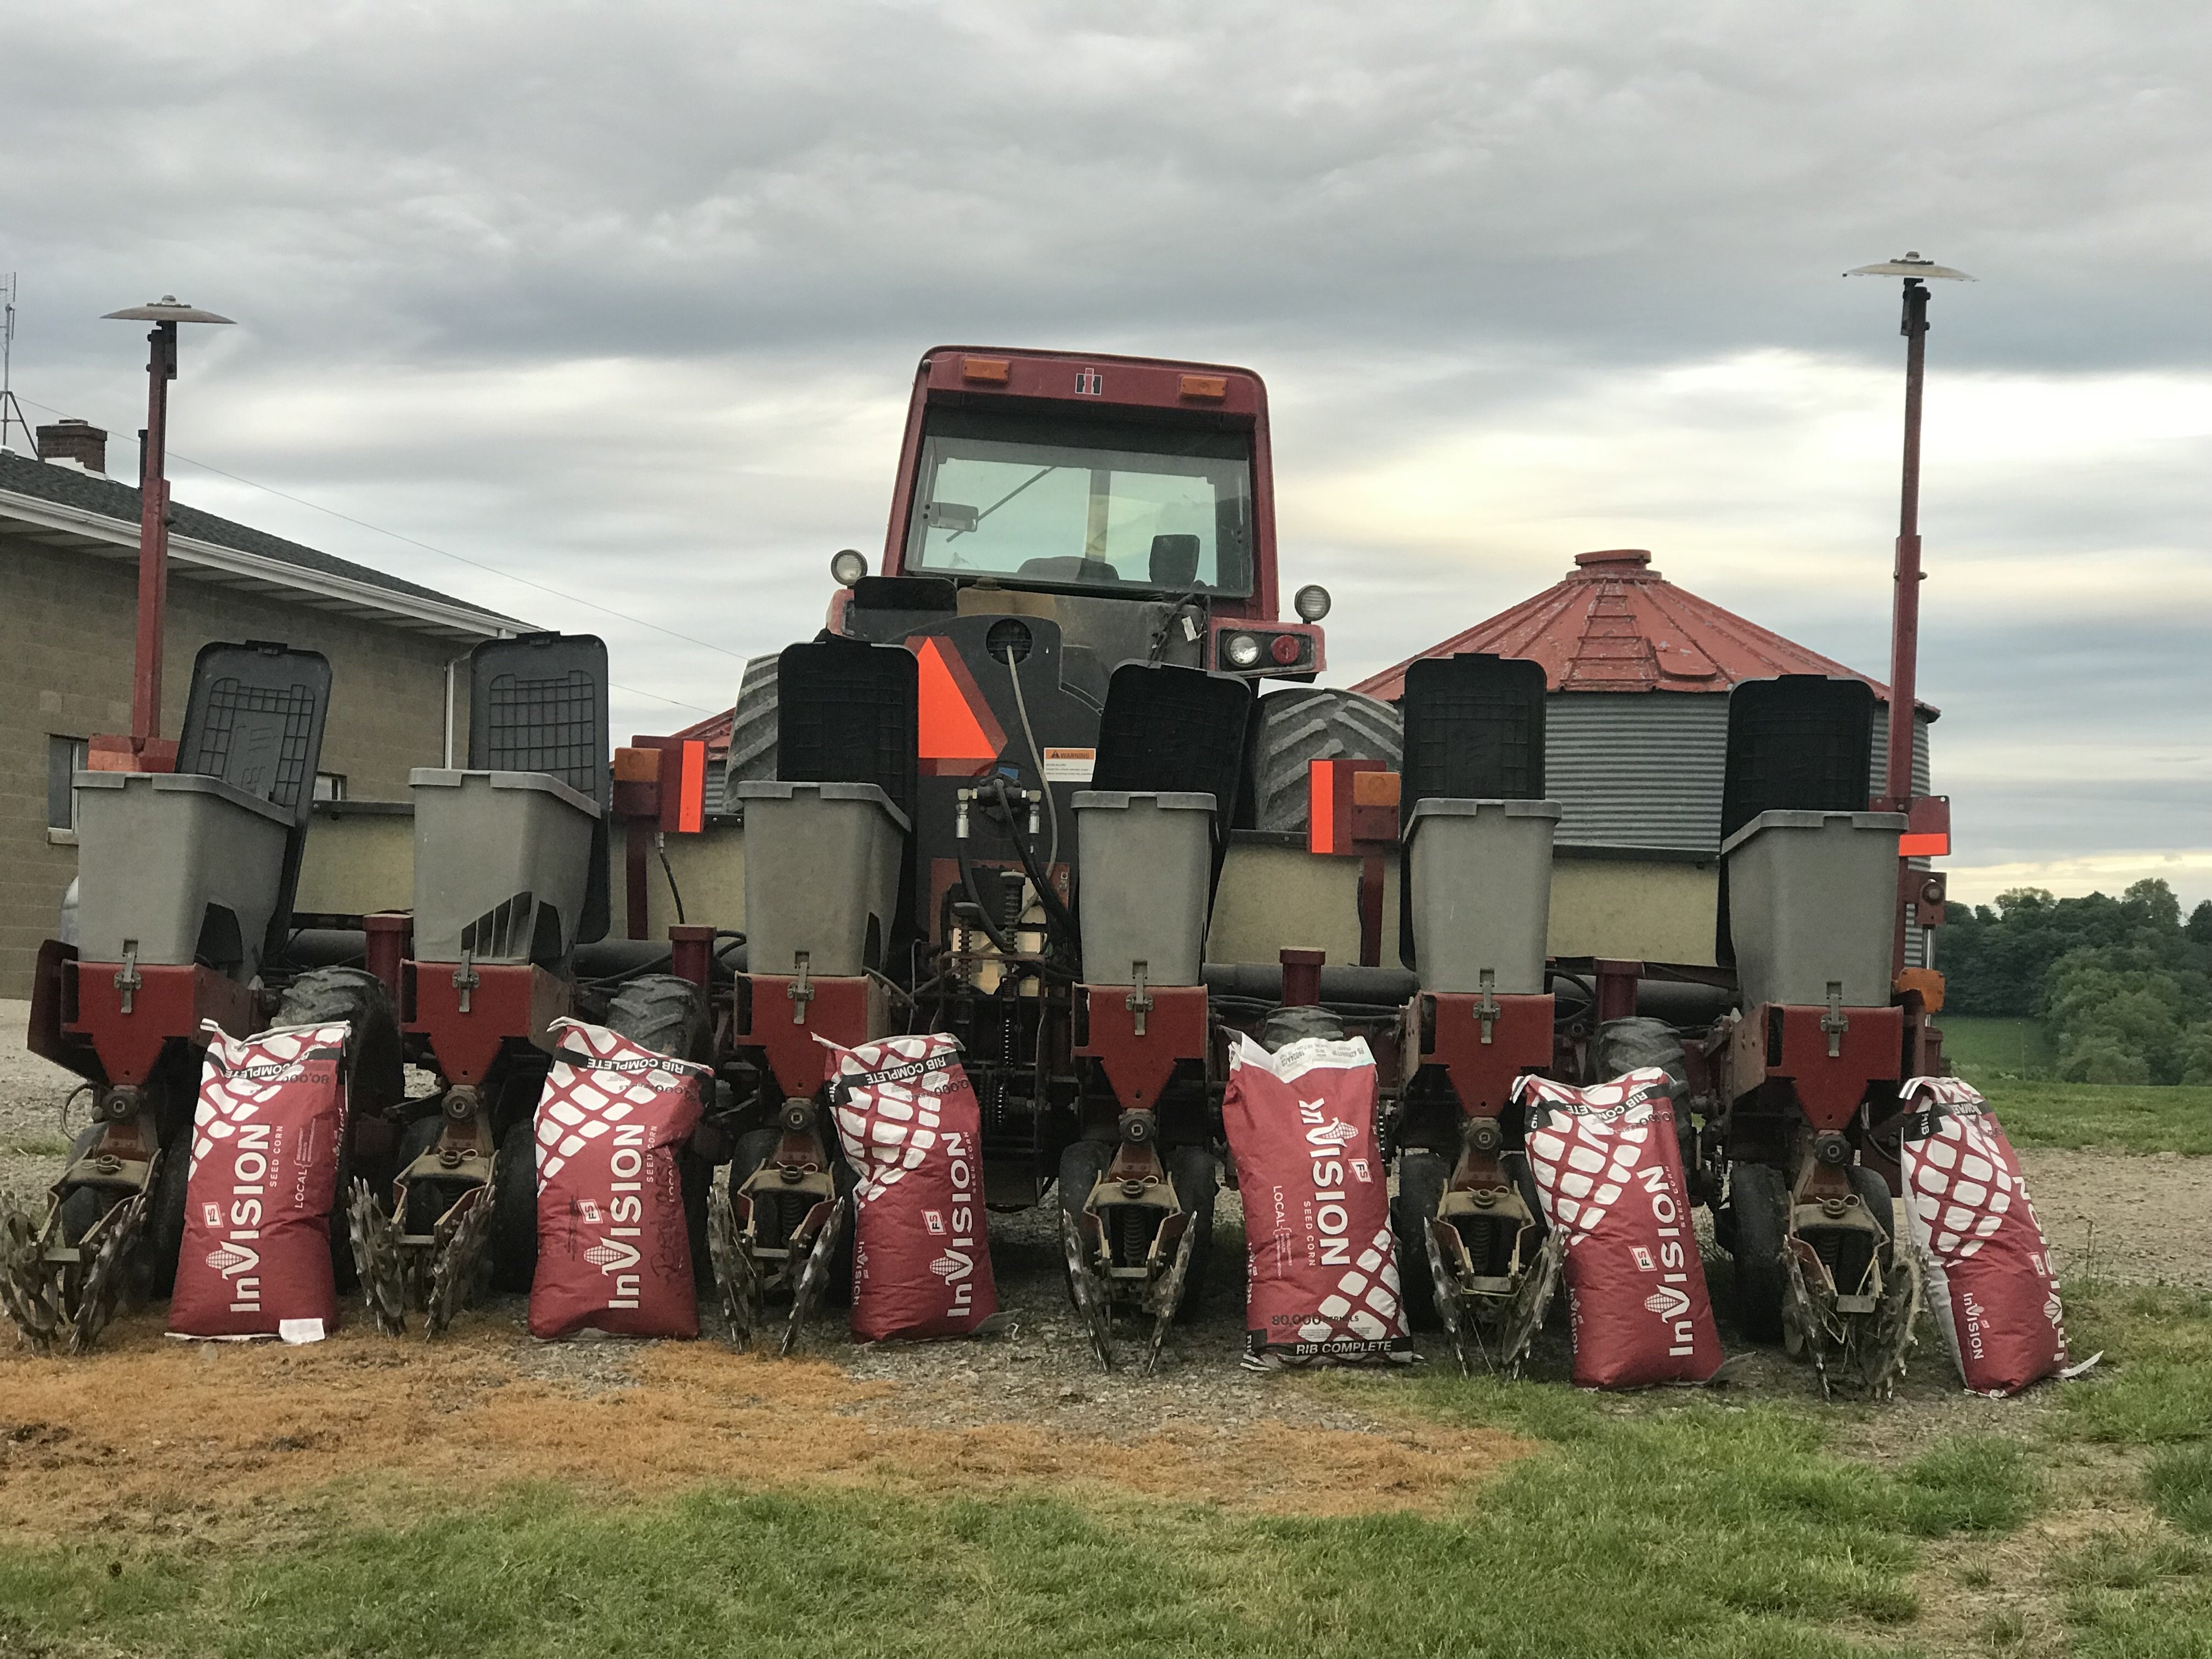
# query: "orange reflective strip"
1321,806
691,812
1933,844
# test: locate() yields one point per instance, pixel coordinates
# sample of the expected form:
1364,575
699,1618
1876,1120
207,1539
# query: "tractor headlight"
848,567
1312,602
1242,650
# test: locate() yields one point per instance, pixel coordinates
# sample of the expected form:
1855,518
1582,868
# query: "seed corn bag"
1608,1171
267,1134
1983,1256
1322,1286
614,1247
910,1125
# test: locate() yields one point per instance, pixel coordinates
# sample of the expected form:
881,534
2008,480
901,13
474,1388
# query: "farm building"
69,553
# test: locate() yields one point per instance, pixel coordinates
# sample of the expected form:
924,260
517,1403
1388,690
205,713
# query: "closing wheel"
1195,1172
165,1219
85,1204
1080,1166
1759,1203
756,1149
1422,1176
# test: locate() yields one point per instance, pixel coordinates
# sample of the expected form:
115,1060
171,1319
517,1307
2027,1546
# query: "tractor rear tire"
514,1209
752,728
1422,1176
1308,723
1759,1198
1195,1172
1873,1193
375,1079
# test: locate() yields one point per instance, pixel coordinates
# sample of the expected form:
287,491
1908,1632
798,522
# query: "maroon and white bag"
1608,1173
910,1127
1986,1267
1321,1283
266,1139
614,1247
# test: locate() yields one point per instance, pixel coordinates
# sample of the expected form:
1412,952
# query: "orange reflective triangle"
951,731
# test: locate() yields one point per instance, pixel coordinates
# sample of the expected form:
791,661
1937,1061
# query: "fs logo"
1090,383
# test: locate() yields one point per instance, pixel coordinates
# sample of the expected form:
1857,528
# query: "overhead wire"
462,558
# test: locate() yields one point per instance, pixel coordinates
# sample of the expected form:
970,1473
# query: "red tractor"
993,798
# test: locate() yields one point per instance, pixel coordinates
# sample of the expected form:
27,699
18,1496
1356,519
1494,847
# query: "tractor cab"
1129,502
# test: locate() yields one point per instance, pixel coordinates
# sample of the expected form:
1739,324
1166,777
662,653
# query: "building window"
65,758
330,785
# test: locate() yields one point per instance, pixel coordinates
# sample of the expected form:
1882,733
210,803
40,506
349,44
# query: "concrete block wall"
67,631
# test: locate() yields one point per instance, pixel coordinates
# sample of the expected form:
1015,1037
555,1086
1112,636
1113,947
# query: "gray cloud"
628,297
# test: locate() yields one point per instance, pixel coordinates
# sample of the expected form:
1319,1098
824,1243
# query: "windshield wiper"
1004,499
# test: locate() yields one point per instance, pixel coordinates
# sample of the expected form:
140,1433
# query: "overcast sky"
626,299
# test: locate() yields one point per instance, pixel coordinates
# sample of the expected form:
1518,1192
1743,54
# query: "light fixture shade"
167,309
1911,264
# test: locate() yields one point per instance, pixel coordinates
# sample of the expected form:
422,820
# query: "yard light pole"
148,753
1905,615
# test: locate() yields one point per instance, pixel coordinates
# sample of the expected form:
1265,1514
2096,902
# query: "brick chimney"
75,440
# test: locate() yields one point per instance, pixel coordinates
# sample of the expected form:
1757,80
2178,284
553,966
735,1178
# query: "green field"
2010,1060
1985,1049
2114,1117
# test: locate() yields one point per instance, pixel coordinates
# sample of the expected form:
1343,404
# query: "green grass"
36,1146
2180,1486
2107,1115
2155,1386
1984,1049
2139,1595
1694,1528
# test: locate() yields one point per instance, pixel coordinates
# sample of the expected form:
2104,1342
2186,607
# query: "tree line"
2124,985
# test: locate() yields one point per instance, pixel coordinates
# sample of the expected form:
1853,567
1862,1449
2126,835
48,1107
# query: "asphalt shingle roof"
110,499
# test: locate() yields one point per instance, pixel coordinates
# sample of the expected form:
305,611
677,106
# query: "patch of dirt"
1982,1596
149,1434
2136,1220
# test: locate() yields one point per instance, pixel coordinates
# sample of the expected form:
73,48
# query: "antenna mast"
8,401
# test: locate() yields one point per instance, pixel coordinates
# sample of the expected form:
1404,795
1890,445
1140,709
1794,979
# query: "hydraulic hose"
1063,919
1036,759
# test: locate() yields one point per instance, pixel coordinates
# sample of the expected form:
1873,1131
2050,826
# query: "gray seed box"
1813,900
155,849
1481,893
822,875
1145,861
497,848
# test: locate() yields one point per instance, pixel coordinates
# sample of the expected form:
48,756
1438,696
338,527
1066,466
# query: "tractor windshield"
1088,503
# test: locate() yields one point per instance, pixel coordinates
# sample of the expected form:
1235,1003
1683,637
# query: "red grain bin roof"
1616,624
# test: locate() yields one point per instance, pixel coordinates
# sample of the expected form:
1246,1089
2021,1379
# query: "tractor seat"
1072,568
1175,561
